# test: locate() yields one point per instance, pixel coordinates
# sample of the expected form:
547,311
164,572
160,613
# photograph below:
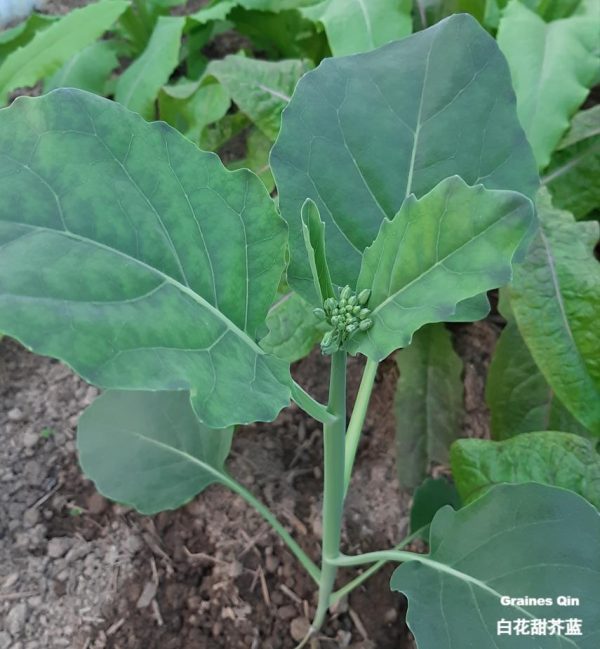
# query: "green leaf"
575,166
139,85
18,36
261,89
361,133
293,329
553,65
428,403
313,230
430,497
517,394
258,147
52,47
191,106
88,70
517,541
555,296
221,10
552,458
361,25
430,257
547,9
164,457
154,265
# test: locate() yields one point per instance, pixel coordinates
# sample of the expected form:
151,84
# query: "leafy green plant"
405,181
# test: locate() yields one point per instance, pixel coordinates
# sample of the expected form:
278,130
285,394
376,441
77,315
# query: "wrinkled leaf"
154,266
517,394
261,89
363,132
293,329
139,85
89,69
165,455
452,244
555,296
572,176
430,497
553,66
361,25
191,106
52,47
519,541
428,403
553,458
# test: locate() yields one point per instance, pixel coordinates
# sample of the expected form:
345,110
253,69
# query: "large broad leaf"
363,132
148,450
361,25
191,106
572,176
428,404
137,258
261,89
450,245
293,329
548,457
54,46
519,541
553,65
555,297
89,69
139,85
517,394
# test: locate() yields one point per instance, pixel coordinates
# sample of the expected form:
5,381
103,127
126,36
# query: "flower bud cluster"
347,315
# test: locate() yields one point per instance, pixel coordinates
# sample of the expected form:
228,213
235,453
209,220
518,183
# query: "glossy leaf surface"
452,244
553,458
555,296
512,538
553,66
363,132
428,403
165,455
154,266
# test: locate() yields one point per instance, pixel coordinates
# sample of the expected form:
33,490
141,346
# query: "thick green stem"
264,511
371,570
333,484
357,420
310,405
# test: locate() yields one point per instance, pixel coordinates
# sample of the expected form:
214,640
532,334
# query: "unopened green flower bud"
364,295
356,310
352,300
346,293
336,311
342,303
351,327
330,304
348,308
364,313
327,338
365,324
320,314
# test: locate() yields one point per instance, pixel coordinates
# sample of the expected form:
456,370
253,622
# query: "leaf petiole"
311,406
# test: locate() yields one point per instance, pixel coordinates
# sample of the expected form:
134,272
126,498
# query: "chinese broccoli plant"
404,183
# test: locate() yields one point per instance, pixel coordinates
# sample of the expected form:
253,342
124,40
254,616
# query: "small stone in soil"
299,628
15,620
15,414
59,546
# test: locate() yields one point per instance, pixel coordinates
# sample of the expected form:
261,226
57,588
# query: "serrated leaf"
553,458
293,329
553,66
431,496
165,455
516,541
361,25
555,296
88,70
313,230
450,245
221,10
191,106
139,85
363,132
261,89
19,35
517,394
154,266
575,167
54,46
427,405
